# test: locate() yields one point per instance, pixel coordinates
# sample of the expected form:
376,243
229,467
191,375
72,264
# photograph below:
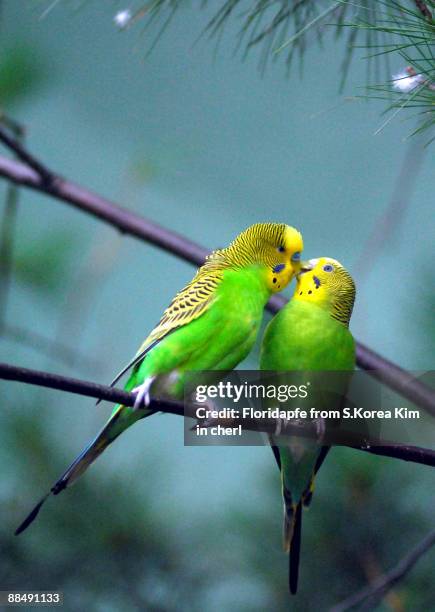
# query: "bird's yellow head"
328,284
275,247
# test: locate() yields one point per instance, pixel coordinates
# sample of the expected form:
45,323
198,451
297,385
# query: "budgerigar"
211,324
309,334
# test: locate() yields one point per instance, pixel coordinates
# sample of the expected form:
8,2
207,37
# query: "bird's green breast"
220,338
303,336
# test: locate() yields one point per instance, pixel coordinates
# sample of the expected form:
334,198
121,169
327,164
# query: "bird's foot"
320,425
278,427
142,392
206,421
282,424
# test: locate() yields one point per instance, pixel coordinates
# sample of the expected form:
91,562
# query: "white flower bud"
407,80
122,18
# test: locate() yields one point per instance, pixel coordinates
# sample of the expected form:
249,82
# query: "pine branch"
414,454
130,223
374,593
409,32
390,26
276,25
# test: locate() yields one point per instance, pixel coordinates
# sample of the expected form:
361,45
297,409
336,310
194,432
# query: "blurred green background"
204,144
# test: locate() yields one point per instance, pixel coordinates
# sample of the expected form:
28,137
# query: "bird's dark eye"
328,268
281,249
296,256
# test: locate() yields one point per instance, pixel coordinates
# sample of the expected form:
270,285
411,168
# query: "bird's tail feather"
293,521
113,428
295,551
292,537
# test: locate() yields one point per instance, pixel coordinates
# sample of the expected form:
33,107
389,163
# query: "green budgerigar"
310,334
211,324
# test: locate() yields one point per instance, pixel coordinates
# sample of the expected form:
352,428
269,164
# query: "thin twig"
130,223
7,233
16,128
391,218
414,454
55,349
89,279
16,333
6,246
14,145
373,593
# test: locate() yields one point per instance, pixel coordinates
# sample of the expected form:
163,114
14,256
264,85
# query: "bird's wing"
188,304
275,450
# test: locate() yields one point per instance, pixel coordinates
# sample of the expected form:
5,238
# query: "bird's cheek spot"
279,268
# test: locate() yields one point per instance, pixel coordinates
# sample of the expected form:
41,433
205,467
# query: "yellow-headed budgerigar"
211,324
309,334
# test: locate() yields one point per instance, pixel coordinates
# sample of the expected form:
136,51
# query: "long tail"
293,517
292,538
295,551
121,418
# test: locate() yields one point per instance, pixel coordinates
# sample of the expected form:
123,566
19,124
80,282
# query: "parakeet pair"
211,324
309,334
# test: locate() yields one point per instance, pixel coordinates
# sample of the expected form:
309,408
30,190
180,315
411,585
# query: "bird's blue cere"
296,256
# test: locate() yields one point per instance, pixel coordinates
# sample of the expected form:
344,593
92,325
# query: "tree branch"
376,591
395,377
124,220
414,454
139,227
14,145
